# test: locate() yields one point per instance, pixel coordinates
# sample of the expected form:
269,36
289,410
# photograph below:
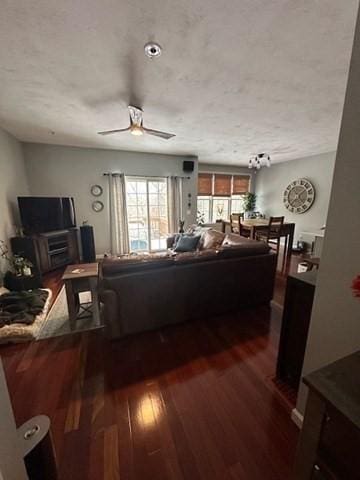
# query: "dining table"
255,225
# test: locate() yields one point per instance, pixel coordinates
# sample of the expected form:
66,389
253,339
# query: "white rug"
57,322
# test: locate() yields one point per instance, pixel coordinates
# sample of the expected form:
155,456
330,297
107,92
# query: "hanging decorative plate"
96,190
299,195
97,206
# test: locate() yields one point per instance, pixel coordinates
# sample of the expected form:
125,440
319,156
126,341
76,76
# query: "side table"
79,278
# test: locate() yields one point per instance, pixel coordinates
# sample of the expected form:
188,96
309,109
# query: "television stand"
48,251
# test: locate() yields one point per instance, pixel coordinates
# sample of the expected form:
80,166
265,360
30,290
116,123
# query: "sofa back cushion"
237,246
133,264
211,239
233,239
195,257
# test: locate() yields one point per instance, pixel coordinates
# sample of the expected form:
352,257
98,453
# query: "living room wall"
271,183
12,184
335,323
71,171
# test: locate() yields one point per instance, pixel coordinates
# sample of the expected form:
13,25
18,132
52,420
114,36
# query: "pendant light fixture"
260,160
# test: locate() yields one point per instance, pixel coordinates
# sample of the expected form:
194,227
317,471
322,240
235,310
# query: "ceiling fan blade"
157,133
110,132
136,115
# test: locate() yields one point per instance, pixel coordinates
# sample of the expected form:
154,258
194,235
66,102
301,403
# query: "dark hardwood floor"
192,401
53,281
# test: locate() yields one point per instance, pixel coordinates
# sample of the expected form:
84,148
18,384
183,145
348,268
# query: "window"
219,195
220,208
236,204
147,213
203,206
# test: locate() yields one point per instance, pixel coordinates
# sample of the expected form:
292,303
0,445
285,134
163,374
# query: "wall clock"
299,195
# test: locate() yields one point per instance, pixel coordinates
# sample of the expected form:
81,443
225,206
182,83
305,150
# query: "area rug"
19,332
57,322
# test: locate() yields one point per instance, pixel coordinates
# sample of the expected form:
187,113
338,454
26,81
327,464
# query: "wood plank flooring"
194,401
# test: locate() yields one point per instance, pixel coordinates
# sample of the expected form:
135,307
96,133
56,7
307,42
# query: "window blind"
205,184
241,184
222,185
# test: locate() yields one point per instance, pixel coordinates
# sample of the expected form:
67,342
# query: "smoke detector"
152,50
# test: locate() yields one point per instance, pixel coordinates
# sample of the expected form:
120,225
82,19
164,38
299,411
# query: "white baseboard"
297,418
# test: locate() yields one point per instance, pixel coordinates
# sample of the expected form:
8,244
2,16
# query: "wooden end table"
82,277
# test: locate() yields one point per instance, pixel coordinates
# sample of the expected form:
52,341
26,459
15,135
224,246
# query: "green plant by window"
249,202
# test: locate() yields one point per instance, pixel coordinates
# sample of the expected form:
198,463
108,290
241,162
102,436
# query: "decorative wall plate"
299,195
97,206
96,190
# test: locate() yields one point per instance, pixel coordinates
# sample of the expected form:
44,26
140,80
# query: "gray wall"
70,171
12,183
271,183
335,323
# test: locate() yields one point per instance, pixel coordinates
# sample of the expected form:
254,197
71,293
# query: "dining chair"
244,232
235,222
272,234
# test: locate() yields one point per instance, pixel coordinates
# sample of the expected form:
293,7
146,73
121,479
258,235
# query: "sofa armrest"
111,314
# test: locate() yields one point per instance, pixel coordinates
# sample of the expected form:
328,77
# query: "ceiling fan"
136,126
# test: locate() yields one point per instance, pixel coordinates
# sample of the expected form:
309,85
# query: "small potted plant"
19,276
21,265
249,204
200,218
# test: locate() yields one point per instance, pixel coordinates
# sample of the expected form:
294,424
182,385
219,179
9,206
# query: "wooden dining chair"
235,222
244,232
272,234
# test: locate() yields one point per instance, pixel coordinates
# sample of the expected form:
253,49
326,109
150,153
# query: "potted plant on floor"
249,204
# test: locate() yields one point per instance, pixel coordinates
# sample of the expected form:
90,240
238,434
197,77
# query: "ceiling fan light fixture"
136,126
137,131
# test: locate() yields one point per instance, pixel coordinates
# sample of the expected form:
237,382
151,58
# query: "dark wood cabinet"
329,443
295,325
48,251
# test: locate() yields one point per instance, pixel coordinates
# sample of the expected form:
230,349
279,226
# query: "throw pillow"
187,243
212,239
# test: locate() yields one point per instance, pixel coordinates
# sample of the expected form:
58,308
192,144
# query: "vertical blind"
222,185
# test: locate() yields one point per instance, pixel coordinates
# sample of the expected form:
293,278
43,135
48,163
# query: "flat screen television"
46,214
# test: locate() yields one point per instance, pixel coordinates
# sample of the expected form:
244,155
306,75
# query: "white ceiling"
235,76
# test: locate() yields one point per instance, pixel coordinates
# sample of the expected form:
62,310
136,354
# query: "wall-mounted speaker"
188,166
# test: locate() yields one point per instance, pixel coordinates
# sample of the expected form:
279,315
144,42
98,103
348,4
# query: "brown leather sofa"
145,294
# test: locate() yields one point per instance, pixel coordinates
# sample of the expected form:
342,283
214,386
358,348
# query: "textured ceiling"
235,76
